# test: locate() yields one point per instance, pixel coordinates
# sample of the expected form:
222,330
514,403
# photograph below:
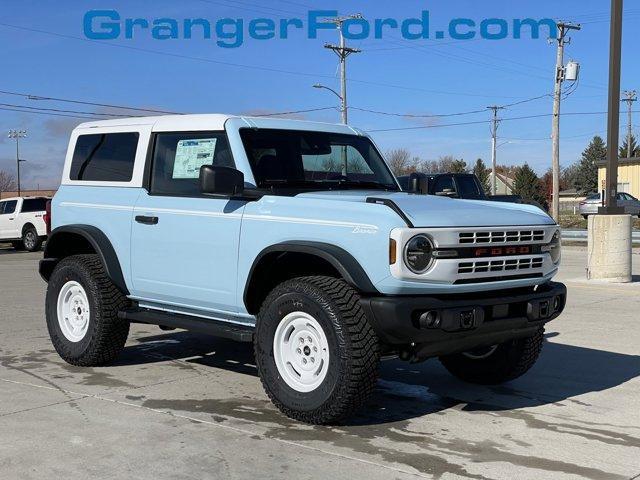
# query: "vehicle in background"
452,185
22,222
459,185
590,205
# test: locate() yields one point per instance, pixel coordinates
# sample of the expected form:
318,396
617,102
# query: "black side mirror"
418,183
221,180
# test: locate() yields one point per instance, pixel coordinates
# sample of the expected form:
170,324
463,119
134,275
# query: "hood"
434,211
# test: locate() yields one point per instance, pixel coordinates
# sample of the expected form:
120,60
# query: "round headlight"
418,254
555,247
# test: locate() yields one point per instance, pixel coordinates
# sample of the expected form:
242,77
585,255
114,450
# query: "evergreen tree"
635,150
586,178
483,173
527,185
459,166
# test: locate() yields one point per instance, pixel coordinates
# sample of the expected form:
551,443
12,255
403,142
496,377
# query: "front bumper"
430,326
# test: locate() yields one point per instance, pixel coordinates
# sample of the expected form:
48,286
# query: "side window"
8,207
177,158
34,205
444,184
107,157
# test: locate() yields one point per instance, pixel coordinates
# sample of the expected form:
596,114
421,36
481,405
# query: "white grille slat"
511,264
502,236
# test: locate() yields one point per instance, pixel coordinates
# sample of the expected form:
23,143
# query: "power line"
46,113
62,111
411,115
479,122
79,102
276,114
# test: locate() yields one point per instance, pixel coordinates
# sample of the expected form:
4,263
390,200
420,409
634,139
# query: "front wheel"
496,364
316,353
82,307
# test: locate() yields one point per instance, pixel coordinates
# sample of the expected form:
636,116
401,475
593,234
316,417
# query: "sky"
46,53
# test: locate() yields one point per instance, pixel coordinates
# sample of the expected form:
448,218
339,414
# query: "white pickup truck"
22,222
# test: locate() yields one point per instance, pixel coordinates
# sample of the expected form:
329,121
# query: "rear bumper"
430,326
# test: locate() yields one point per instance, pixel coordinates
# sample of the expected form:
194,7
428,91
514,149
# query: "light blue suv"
295,236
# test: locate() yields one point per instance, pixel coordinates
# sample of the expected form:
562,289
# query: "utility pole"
494,145
343,52
18,134
563,29
630,97
613,119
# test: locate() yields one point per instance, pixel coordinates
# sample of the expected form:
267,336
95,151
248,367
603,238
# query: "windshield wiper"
368,184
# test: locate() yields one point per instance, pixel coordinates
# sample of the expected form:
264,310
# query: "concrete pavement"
183,406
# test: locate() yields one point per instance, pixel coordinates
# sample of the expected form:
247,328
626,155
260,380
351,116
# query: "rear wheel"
316,353
31,242
82,306
496,364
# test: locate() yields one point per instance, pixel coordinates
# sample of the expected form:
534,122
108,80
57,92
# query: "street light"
342,110
18,134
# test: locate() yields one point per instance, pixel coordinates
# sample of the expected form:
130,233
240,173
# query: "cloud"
60,126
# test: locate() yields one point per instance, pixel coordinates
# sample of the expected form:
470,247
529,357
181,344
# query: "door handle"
147,220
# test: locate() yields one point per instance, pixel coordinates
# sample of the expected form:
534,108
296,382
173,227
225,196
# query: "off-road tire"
509,361
31,242
106,333
353,346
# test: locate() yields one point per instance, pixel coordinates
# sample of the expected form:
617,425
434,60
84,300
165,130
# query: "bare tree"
7,182
400,161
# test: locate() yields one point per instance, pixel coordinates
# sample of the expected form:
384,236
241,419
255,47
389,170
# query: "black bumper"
430,326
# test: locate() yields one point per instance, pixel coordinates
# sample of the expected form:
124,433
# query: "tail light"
47,217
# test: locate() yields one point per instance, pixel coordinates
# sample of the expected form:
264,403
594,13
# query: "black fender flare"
58,247
344,263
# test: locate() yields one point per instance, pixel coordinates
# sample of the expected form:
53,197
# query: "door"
184,244
8,220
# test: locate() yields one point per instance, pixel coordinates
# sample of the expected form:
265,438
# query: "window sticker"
191,155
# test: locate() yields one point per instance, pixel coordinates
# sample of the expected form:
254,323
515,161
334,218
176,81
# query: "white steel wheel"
73,311
301,352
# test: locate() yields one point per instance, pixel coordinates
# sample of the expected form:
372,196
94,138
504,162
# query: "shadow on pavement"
408,391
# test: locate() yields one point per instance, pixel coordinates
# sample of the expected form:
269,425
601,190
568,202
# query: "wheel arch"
26,227
283,261
81,239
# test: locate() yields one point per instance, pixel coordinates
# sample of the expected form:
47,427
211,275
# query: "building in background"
28,193
628,175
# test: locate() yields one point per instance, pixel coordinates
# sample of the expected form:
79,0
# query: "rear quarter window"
106,157
34,205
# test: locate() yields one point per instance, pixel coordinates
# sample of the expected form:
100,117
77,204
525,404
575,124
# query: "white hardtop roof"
215,121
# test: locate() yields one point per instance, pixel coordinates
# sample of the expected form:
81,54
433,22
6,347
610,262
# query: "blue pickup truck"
297,237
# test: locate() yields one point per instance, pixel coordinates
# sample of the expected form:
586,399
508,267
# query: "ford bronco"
297,237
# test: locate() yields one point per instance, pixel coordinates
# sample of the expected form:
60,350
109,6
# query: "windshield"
315,160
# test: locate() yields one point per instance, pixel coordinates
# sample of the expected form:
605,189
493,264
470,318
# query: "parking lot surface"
185,406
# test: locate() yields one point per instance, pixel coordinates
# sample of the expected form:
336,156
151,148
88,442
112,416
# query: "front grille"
503,236
511,264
